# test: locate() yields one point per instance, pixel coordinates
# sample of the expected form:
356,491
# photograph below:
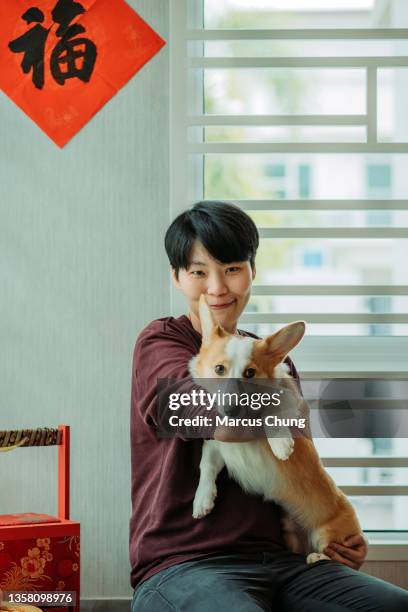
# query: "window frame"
344,356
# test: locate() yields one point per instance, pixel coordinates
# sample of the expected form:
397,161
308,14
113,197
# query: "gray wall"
82,270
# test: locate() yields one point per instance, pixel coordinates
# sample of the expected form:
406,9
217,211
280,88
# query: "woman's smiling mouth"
221,306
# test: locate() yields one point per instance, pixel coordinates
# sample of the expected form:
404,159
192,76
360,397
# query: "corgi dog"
282,469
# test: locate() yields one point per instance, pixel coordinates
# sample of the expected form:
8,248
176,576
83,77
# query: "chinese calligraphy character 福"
71,57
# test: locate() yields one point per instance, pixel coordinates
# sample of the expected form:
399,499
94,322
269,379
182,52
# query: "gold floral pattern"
44,542
16,580
73,543
30,574
38,564
33,565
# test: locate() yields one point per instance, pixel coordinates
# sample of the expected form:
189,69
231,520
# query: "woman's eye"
233,269
197,273
219,369
249,373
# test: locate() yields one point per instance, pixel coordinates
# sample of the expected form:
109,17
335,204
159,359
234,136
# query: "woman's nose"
217,285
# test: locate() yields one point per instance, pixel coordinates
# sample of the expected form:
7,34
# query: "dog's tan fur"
296,480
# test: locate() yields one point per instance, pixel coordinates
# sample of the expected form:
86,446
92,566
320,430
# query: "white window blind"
370,351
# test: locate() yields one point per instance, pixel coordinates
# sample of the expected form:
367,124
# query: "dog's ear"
207,320
209,325
284,340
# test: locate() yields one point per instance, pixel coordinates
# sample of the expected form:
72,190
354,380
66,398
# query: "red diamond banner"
62,60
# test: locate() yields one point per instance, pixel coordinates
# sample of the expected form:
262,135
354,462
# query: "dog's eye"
219,369
249,373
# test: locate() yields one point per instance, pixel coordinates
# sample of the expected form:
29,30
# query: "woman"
234,556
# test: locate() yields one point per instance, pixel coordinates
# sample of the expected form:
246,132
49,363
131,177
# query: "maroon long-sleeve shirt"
165,472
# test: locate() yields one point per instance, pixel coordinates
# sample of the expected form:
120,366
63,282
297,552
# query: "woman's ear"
174,278
253,272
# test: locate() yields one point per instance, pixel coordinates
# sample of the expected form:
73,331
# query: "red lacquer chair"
39,552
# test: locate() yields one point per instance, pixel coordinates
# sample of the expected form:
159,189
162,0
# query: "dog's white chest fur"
249,463
252,466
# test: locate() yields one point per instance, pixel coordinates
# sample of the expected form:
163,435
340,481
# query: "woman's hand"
352,553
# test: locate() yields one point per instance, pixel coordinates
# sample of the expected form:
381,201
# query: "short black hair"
224,229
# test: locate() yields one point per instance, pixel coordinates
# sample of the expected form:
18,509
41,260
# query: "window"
293,110
379,186
275,170
379,177
304,181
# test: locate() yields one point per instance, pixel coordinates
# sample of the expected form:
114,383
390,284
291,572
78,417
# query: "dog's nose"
232,411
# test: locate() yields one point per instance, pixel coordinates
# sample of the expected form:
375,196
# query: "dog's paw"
282,448
313,557
204,501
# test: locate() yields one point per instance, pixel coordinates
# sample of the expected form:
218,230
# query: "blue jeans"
279,581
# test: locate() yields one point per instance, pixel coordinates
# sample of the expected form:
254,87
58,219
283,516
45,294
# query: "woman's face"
226,286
